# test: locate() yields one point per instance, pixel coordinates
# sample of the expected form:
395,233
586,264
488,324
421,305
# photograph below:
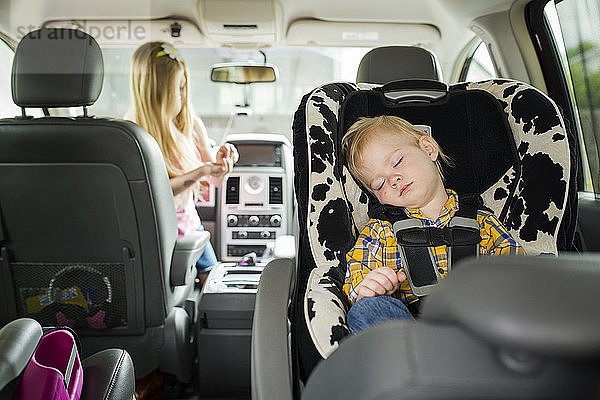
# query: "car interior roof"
440,13
430,24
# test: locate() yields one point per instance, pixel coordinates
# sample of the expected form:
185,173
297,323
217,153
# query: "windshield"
271,105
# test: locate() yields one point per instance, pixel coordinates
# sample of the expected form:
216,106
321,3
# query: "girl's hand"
211,169
227,155
381,281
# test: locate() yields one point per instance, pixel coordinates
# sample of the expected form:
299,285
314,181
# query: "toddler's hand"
401,276
381,281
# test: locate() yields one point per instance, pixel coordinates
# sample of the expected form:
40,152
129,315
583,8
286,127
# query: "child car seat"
508,141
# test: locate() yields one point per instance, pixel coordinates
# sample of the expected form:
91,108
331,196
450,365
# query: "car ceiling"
440,13
450,18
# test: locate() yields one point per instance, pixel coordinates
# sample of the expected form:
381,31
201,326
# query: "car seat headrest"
385,64
57,68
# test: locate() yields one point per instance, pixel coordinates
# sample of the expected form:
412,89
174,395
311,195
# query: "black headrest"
57,68
512,302
386,64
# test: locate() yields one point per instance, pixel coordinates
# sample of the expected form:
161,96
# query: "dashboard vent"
232,196
275,190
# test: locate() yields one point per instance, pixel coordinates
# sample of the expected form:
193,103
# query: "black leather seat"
90,235
108,374
494,329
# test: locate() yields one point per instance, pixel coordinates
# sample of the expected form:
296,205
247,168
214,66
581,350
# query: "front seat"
88,236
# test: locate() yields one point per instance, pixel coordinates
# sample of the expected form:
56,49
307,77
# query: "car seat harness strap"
461,236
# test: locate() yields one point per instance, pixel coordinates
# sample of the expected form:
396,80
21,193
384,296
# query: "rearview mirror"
243,73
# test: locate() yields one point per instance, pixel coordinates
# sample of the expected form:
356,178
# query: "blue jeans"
208,259
370,311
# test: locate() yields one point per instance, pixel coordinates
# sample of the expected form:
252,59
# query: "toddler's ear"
429,146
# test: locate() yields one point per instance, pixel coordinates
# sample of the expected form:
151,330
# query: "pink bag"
54,371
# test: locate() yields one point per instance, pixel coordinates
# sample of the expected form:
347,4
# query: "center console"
256,203
254,209
225,313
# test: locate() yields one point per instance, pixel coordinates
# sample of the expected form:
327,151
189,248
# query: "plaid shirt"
376,247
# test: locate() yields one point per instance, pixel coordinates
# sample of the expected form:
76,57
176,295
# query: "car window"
7,107
271,105
575,25
479,66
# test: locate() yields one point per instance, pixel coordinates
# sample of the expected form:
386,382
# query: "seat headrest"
57,68
391,63
512,302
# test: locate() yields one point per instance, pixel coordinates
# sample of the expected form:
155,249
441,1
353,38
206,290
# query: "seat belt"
461,236
466,234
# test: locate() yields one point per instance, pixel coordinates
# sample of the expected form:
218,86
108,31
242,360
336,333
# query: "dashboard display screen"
258,155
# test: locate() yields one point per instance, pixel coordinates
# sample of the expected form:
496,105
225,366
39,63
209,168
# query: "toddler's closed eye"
377,185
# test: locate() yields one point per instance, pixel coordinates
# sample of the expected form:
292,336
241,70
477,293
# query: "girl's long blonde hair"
153,87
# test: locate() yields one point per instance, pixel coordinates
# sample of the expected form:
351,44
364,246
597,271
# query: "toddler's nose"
395,180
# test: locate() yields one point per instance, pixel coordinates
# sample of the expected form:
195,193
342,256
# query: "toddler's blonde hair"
361,131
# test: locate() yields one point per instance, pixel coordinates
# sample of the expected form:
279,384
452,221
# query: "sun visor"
135,32
255,23
312,32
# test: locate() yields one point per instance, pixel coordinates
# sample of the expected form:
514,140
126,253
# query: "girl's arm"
226,155
202,141
183,182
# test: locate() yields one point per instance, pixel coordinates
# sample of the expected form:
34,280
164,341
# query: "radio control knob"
242,234
253,220
275,220
232,220
265,234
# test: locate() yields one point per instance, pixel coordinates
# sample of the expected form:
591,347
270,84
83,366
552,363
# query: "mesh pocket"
75,295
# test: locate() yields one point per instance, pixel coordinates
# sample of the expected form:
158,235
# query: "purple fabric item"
44,376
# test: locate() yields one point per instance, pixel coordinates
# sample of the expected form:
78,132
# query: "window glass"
7,107
220,105
576,27
480,66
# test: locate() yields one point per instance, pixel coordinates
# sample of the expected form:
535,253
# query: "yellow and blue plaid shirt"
376,247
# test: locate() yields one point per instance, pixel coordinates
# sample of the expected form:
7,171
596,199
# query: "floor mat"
150,387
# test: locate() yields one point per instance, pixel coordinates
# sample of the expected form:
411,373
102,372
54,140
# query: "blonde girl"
161,105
